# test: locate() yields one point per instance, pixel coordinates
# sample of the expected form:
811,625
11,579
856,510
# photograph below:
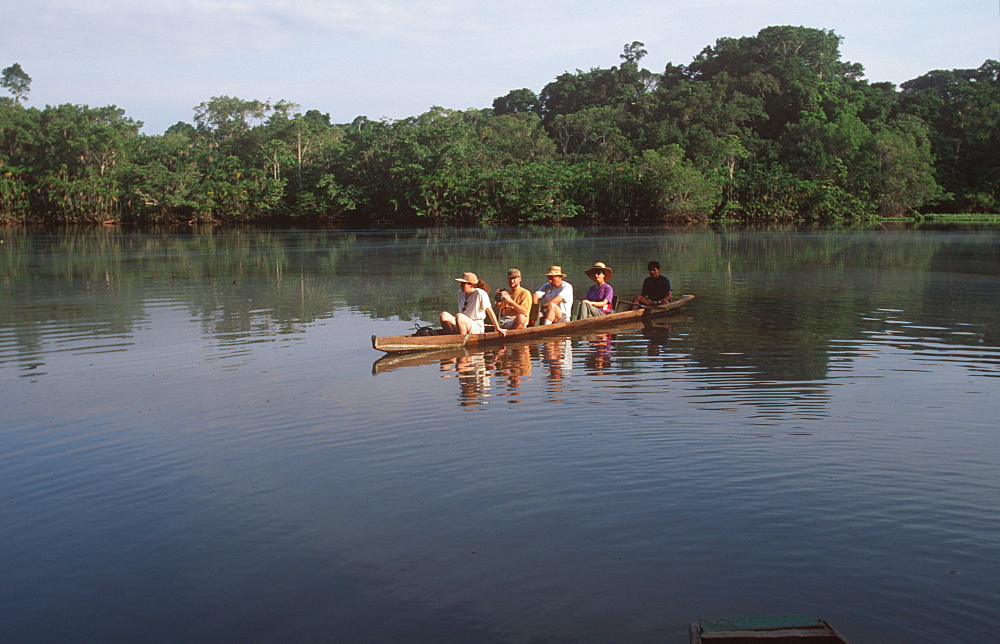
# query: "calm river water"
199,443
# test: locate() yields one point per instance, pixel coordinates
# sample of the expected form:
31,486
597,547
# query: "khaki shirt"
520,295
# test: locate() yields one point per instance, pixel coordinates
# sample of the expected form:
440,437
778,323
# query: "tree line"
771,127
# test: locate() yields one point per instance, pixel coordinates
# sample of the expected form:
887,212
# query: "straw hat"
469,278
555,270
599,266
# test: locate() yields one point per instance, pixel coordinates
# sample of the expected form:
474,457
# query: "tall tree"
516,101
633,53
793,69
618,87
16,81
227,117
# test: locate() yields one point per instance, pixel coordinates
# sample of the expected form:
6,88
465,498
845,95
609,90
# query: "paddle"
645,306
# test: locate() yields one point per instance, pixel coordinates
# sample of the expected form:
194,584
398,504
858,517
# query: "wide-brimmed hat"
469,278
555,270
513,273
599,266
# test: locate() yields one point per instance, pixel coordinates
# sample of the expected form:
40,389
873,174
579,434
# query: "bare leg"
552,314
448,323
463,323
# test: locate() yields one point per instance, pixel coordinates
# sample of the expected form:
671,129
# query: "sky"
391,59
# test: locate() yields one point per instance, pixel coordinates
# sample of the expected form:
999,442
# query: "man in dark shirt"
656,289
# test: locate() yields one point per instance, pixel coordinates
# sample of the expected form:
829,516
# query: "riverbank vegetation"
772,127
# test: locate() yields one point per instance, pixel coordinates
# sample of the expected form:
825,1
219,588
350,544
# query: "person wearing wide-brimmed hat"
600,295
473,307
554,298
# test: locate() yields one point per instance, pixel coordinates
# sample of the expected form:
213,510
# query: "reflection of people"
557,355
657,331
515,302
555,298
600,295
600,359
473,378
514,362
656,288
473,307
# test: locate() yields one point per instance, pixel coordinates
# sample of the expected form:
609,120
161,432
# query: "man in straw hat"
515,302
554,298
600,295
473,307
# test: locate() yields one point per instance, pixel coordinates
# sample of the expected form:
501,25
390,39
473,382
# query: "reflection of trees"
783,297
98,283
967,271
770,301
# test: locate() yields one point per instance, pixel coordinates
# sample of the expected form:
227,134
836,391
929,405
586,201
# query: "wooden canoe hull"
786,629
398,360
405,343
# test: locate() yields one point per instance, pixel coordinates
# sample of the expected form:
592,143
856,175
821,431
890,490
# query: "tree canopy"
775,126
16,81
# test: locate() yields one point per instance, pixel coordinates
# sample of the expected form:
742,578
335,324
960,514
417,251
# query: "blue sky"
397,58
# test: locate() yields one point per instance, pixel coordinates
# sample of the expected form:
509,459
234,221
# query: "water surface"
199,442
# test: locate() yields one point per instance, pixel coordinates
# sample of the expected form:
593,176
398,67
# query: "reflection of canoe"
397,360
772,628
393,361
404,343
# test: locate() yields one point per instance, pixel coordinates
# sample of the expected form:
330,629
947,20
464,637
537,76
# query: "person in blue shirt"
554,298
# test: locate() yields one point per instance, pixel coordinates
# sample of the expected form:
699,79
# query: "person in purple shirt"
601,294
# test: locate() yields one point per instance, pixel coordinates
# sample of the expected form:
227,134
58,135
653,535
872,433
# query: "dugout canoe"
406,343
398,360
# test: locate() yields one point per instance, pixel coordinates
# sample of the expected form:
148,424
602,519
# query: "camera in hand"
499,295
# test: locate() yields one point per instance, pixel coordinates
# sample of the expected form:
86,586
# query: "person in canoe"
473,307
656,288
554,298
600,295
515,302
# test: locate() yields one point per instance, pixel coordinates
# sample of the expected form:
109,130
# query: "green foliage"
594,132
905,167
16,81
517,101
770,127
962,109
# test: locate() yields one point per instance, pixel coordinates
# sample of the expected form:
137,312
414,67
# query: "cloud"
396,58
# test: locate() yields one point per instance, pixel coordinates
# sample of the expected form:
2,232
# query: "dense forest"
772,127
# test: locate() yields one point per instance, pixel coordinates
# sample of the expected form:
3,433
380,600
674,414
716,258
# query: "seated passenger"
555,298
515,302
473,307
600,295
656,289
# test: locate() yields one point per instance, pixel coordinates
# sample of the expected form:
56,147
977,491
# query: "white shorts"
475,326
